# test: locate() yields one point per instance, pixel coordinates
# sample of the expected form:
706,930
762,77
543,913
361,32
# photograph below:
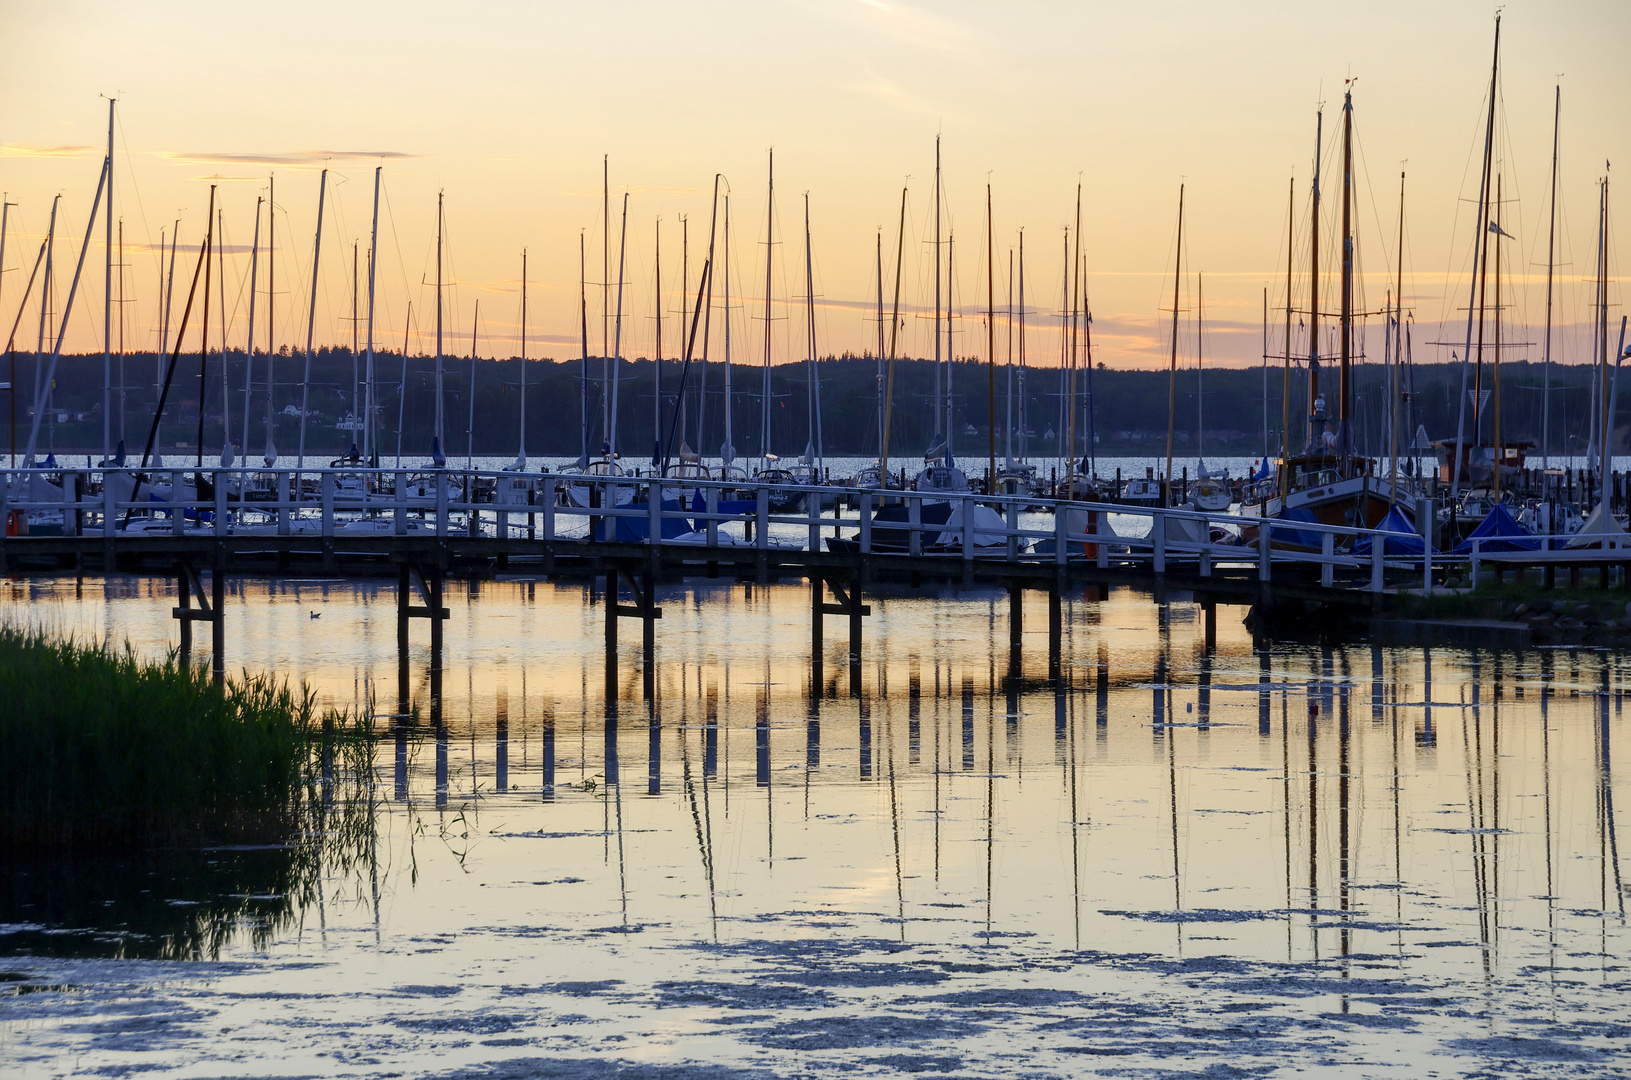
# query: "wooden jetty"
422,526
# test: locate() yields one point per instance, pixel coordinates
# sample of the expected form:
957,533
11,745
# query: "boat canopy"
1499,531
1403,539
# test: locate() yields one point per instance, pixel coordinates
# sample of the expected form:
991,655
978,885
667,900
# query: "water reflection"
1453,811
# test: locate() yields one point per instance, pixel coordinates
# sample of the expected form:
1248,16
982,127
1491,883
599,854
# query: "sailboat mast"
249,339
203,331
1394,400
370,443
727,452
1344,384
1200,358
937,297
1315,413
356,328
1008,423
470,423
1024,431
221,295
1496,365
1604,459
269,456
880,342
1285,380
1551,256
770,240
1075,312
1478,245
1172,370
809,308
521,441
437,449
656,405
107,306
617,339
990,350
583,378
311,313
894,328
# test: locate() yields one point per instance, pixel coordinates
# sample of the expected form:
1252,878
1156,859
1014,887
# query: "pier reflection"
1252,798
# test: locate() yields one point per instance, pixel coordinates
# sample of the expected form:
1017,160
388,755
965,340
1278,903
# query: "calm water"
1349,861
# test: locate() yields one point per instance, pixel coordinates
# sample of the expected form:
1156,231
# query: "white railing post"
711,507
1061,547
441,502
812,514
1265,543
1378,545
914,523
968,505
222,520
551,493
178,509
1328,543
281,502
866,521
1158,537
1424,525
761,518
326,491
1101,550
110,507
1011,525
654,512
399,504
1477,545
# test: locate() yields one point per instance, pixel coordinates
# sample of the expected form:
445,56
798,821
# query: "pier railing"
124,507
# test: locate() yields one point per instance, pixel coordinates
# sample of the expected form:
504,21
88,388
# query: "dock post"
1209,612
648,624
1016,614
818,598
1056,622
433,590
185,589
218,633
855,610
404,600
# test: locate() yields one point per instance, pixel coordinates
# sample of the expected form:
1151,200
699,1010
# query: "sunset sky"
508,108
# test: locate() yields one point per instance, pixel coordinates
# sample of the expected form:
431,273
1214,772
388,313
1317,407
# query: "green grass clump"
99,749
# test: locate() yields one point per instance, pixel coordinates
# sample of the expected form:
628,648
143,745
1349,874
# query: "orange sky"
508,109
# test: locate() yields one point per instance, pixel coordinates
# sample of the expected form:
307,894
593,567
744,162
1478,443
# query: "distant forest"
1125,411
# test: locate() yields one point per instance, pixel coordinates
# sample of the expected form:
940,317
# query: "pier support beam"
849,604
188,586
644,608
1209,618
428,581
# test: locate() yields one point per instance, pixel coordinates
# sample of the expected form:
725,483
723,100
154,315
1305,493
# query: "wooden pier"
424,527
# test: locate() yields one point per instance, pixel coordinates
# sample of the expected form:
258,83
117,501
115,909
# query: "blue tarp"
1407,543
1281,534
1265,472
636,530
1499,532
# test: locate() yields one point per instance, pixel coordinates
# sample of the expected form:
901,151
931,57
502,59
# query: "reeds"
99,749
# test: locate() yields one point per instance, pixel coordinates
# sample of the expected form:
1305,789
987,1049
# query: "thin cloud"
21,150
292,158
914,26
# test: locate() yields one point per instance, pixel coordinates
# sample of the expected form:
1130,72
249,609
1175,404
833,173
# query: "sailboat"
1329,483
940,473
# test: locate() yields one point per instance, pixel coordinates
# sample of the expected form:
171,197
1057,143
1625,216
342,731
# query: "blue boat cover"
1265,472
635,530
1499,531
1280,534
1406,542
